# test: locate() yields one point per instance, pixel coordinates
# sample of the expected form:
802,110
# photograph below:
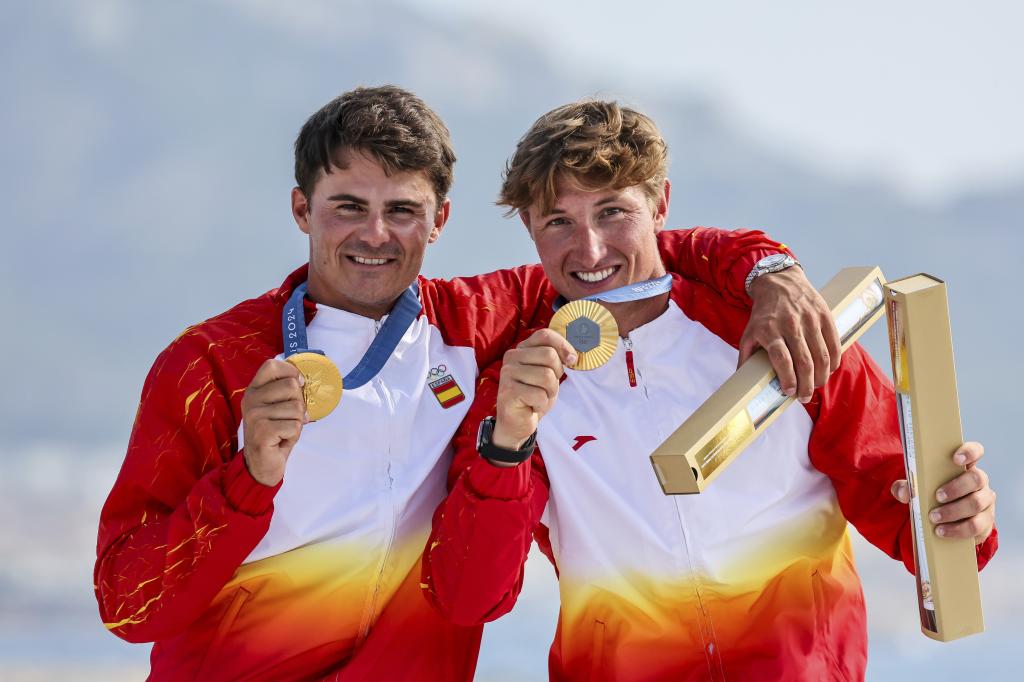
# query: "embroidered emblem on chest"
444,387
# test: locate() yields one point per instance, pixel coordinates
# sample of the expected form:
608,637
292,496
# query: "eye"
611,211
401,209
556,222
350,208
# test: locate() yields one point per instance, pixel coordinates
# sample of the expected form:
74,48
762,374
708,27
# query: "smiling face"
368,232
594,241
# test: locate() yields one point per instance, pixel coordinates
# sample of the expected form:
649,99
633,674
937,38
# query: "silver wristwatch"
774,263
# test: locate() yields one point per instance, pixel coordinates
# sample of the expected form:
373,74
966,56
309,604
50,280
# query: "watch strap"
488,450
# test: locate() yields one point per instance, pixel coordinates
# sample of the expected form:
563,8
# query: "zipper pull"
630,369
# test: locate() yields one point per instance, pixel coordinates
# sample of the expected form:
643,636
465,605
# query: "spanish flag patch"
444,386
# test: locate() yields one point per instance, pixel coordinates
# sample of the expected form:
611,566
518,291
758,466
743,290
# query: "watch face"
483,431
769,261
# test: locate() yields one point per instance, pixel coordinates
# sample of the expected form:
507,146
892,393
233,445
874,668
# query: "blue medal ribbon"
631,292
401,317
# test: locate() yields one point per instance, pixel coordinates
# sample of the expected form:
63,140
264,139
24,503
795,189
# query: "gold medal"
323,387
591,330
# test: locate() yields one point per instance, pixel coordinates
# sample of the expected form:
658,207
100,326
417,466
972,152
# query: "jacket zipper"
369,618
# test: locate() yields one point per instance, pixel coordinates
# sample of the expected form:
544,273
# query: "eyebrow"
404,202
607,200
348,197
363,202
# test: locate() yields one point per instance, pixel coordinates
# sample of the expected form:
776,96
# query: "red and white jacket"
319,576
753,579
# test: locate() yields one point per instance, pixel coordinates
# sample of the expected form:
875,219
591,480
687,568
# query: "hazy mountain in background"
147,168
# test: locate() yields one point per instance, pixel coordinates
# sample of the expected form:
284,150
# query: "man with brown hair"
751,580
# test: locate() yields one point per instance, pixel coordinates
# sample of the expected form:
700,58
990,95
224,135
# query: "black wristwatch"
489,450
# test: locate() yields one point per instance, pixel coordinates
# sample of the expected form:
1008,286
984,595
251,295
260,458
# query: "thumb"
901,491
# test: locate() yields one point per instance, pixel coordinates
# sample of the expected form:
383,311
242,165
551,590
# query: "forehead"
360,175
570,194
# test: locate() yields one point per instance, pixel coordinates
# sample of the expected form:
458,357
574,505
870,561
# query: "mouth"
372,262
595,276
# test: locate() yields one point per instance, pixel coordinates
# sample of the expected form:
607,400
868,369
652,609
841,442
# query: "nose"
590,247
375,231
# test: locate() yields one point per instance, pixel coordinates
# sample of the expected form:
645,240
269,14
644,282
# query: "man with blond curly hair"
751,580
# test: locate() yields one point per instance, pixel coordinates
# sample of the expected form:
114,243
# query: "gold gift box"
751,399
948,593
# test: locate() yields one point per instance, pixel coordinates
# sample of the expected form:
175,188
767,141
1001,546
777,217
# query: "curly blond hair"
597,144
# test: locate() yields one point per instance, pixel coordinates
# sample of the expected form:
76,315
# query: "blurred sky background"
145,178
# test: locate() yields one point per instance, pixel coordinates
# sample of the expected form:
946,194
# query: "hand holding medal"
591,328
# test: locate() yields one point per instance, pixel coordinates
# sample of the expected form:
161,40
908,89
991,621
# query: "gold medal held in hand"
323,387
591,330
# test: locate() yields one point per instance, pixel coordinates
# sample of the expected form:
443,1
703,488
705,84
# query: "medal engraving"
323,385
583,333
591,330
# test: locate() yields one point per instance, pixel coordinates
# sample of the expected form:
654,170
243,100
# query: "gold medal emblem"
591,330
323,387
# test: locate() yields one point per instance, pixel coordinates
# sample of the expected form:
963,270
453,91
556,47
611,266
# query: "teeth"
369,261
595,276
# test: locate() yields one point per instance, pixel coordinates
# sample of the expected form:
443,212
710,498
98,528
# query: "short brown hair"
391,125
595,143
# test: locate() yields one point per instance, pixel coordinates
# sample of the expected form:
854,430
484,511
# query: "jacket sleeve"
482,532
721,259
184,511
856,442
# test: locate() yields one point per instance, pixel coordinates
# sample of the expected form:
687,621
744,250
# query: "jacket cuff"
245,493
504,483
988,548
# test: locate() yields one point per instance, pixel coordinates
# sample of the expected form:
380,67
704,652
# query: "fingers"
782,362
803,365
536,352
833,344
968,454
273,369
972,480
542,377
748,346
534,398
978,526
291,409
274,432
901,491
278,390
551,339
964,508
820,356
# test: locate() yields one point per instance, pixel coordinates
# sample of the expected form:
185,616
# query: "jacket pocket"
239,599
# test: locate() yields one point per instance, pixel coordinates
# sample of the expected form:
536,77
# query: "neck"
325,296
632,314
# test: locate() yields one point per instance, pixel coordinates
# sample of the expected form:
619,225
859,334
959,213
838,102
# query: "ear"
525,217
440,219
300,209
661,207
